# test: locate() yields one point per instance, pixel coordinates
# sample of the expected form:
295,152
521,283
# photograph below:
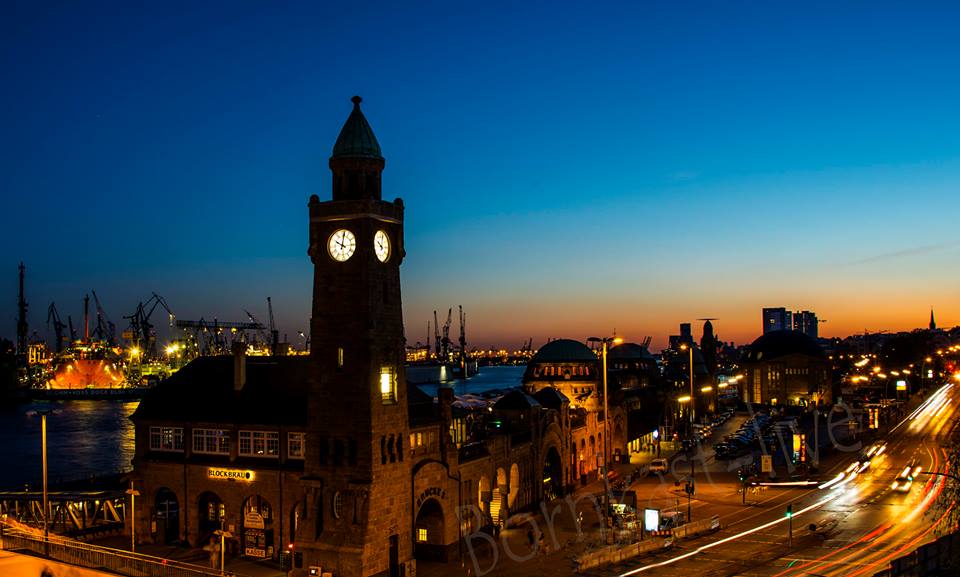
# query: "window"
421,534
337,505
339,357
211,441
388,386
259,443
295,442
166,438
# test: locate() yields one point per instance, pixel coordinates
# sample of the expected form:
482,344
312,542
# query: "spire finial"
356,100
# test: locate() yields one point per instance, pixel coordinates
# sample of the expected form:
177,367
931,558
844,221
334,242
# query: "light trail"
740,535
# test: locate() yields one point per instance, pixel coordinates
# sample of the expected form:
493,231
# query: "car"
659,466
904,480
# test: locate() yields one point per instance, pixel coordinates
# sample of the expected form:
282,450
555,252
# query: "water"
84,438
487,379
88,438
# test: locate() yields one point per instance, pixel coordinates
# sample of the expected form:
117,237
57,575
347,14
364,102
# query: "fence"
99,558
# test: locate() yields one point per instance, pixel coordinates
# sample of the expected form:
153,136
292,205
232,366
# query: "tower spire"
356,162
933,323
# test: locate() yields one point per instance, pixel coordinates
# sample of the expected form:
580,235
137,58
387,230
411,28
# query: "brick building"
333,454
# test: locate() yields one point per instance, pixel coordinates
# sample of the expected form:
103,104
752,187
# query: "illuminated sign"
901,385
651,519
231,474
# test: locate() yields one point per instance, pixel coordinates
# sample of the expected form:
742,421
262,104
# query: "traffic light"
789,510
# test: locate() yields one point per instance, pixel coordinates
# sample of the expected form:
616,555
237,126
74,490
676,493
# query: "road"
861,522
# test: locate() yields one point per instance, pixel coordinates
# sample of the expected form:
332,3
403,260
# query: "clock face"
342,244
381,245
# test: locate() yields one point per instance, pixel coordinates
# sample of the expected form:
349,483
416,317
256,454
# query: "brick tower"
355,518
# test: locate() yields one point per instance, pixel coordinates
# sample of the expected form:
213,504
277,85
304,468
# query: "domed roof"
776,344
515,400
356,137
629,351
551,398
563,350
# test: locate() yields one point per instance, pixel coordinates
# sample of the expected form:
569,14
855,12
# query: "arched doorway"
257,534
483,493
514,486
428,532
210,514
167,512
552,475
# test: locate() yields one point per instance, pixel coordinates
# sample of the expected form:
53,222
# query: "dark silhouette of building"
786,368
776,319
806,322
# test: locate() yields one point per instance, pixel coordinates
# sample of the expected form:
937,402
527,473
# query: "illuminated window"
211,441
295,445
340,357
422,534
388,386
259,443
166,438
337,505
419,439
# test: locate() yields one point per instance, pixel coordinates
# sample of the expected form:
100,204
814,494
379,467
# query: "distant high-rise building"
806,322
780,319
684,338
776,319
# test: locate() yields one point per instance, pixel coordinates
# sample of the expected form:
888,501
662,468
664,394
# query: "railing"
99,558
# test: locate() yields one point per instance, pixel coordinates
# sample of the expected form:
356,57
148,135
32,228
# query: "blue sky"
567,169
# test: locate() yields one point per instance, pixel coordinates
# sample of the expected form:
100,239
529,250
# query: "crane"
445,341
436,334
274,334
58,326
261,330
22,327
106,330
140,322
463,341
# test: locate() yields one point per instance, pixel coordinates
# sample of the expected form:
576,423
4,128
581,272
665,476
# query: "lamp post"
43,457
133,516
606,437
693,404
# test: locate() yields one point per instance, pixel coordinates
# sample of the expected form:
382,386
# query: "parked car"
659,466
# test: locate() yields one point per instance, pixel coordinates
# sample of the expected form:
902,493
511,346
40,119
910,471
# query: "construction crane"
428,339
106,330
274,333
645,343
54,317
73,333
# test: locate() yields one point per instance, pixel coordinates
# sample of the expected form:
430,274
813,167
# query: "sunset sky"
569,169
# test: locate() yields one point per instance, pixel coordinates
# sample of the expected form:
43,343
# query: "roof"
551,398
275,393
629,351
356,137
564,350
515,400
776,344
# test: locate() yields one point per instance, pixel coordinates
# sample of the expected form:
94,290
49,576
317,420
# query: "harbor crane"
274,333
463,341
22,327
436,335
54,317
105,330
445,340
140,322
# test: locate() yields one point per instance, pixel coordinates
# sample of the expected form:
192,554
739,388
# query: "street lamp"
43,456
606,437
133,516
693,404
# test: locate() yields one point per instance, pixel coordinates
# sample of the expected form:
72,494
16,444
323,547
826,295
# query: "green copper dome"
356,137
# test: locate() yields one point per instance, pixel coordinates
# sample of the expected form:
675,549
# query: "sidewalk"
195,556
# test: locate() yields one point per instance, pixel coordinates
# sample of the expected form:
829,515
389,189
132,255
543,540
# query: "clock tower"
355,517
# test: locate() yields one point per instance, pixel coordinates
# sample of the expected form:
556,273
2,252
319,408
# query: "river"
86,438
